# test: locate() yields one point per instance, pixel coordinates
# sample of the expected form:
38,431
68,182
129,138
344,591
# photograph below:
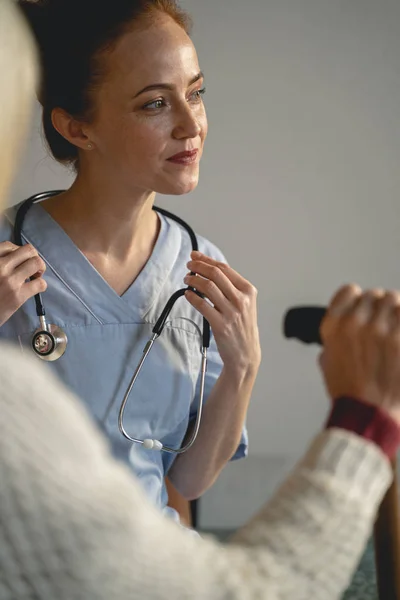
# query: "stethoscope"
49,341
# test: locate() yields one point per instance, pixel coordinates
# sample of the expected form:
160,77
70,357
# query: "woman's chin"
178,187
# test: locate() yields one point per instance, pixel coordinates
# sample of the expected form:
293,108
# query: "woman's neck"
115,230
105,220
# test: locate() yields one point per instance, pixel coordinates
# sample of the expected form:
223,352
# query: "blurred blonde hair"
18,75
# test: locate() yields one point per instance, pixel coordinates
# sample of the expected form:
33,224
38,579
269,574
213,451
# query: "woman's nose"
187,124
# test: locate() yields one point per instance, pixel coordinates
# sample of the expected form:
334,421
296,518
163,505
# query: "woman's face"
150,109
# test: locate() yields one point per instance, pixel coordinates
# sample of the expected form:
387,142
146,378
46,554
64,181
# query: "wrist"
241,372
368,421
393,414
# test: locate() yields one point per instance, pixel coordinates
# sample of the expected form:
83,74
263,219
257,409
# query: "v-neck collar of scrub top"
65,259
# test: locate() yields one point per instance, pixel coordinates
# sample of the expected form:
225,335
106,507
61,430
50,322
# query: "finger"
6,248
344,300
204,308
29,268
363,308
341,304
382,317
210,290
217,276
196,255
31,288
396,321
238,281
17,257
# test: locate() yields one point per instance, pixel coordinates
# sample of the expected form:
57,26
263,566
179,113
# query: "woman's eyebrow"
168,86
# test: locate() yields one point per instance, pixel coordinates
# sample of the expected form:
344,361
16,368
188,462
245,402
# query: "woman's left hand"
232,314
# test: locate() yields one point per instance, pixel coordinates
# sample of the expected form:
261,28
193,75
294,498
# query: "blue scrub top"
106,336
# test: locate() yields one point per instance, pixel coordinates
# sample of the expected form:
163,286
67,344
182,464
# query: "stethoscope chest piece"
49,344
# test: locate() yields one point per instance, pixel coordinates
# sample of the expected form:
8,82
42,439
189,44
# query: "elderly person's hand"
361,356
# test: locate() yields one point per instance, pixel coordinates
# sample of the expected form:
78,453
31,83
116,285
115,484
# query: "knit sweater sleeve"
74,524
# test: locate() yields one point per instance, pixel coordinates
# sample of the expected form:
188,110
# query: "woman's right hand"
361,356
17,265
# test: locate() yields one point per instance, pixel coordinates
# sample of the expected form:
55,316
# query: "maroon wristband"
368,421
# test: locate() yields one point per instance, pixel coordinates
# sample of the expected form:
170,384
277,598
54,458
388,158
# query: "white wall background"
300,188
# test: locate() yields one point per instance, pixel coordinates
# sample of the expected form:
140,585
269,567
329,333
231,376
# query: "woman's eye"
198,94
161,103
156,104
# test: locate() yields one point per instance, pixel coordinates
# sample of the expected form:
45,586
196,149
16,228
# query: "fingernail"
186,279
190,264
196,253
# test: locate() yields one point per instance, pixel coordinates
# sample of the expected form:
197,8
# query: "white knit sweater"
74,524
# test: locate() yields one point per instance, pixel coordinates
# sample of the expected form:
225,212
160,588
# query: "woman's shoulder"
210,249
205,245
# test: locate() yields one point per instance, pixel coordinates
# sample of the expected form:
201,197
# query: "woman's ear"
70,128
